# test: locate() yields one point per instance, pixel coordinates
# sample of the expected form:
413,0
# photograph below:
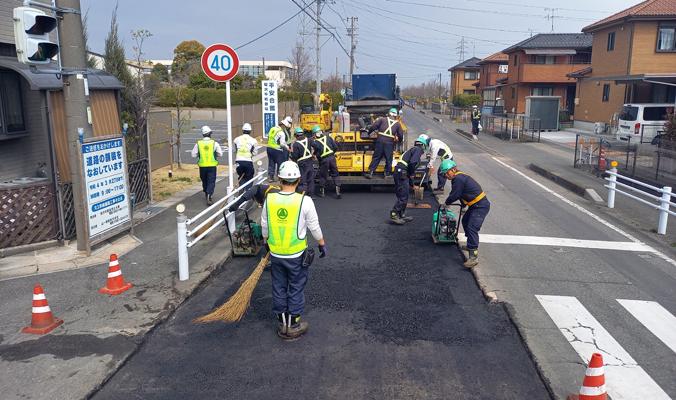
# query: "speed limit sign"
220,62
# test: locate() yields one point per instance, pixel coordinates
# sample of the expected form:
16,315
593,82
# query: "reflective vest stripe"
447,151
271,137
404,162
283,217
244,151
476,199
206,148
327,150
306,150
388,131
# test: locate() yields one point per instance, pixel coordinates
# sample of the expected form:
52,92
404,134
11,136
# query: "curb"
569,184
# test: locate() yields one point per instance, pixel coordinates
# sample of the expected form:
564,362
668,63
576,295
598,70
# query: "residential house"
633,61
463,76
538,67
493,68
34,165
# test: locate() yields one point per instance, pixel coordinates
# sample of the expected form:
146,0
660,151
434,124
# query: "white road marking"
654,317
625,379
564,242
589,213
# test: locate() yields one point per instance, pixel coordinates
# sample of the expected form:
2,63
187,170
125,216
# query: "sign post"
270,106
221,63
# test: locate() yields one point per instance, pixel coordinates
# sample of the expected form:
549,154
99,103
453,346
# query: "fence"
460,113
139,181
440,108
517,127
27,215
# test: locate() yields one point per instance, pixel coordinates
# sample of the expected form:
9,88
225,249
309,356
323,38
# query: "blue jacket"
467,190
411,159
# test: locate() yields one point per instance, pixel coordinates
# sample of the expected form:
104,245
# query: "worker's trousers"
208,178
275,159
382,150
245,172
402,187
307,178
288,284
441,178
328,165
475,127
472,221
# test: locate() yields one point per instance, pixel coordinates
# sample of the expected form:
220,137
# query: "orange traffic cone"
42,320
115,283
594,383
602,160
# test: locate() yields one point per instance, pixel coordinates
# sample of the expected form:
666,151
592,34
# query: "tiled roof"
500,80
471,63
648,8
555,41
499,56
580,73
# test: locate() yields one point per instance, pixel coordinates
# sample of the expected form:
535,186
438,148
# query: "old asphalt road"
391,316
219,133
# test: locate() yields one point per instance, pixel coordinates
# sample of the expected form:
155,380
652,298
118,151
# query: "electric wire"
273,29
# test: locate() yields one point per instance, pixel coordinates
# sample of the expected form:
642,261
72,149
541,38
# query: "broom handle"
236,186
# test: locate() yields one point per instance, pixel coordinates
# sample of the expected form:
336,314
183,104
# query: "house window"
606,91
545,60
468,91
665,37
470,75
611,41
542,91
515,60
11,104
513,92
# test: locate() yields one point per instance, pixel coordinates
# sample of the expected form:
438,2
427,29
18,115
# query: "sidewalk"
100,331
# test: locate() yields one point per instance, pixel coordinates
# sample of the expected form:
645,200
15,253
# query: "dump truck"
310,117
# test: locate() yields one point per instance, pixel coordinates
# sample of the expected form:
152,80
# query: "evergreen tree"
114,61
91,62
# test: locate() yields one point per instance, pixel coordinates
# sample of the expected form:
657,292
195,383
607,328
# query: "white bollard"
183,265
662,224
611,189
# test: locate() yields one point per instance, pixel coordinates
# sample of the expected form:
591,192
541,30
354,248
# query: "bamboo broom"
235,308
207,226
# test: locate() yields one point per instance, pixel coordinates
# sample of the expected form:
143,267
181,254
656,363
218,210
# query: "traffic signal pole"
73,58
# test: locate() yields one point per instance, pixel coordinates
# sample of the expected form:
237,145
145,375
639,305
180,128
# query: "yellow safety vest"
207,158
448,150
283,216
306,149
271,137
388,131
476,199
244,151
327,150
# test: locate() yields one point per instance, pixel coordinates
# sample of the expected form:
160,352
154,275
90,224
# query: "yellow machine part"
308,121
359,160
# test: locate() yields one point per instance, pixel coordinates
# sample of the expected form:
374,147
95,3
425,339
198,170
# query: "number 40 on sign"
220,62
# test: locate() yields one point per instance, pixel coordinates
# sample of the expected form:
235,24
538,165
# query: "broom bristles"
235,308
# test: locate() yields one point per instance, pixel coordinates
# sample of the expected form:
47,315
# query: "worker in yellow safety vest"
285,219
208,152
389,130
245,148
276,146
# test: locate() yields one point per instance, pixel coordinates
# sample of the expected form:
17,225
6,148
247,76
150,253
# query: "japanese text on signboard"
270,106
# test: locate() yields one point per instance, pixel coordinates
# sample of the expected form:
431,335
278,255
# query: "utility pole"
73,58
351,34
551,16
319,53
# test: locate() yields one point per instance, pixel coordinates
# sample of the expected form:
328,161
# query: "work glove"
322,250
233,207
267,247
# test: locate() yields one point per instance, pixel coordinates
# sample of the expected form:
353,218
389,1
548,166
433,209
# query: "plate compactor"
445,227
247,239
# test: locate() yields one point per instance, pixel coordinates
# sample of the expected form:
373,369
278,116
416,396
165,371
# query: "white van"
642,118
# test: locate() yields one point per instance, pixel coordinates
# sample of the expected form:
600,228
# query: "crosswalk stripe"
625,379
654,317
564,242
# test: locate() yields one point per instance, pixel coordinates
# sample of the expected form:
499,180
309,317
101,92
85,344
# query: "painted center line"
564,242
625,379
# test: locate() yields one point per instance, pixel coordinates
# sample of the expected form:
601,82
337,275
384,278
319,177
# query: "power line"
273,29
321,25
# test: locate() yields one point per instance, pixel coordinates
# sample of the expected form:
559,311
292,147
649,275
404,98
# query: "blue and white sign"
105,179
270,106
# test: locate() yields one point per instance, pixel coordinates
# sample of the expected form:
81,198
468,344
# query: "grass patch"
672,244
163,186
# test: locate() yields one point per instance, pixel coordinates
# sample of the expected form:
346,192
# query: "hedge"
466,100
215,98
167,97
210,98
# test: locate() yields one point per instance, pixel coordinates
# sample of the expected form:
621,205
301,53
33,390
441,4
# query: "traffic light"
31,36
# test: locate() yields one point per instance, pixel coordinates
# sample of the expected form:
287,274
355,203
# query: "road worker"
389,130
476,120
325,147
301,153
403,180
287,137
471,195
257,193
208,151
276,146
441,150
285,219
245,148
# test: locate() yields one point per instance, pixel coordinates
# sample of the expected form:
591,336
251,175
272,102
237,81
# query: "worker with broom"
403,180
285,219
472,196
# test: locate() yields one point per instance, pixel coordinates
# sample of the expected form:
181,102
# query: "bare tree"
142,94
332,84
302,64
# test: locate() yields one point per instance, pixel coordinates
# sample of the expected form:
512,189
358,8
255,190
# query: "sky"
416,39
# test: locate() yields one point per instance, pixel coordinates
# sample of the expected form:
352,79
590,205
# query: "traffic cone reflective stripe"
42,320
602,160
594,383
116,284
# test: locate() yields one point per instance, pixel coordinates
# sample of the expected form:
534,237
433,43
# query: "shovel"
418,195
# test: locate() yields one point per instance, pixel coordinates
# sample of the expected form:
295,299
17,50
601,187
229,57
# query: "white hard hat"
246,127
288,119
474,106
286,123
289,170
206,131
401,112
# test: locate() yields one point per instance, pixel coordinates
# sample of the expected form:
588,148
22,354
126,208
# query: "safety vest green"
206,148
327,150
447,152
306,149
283,217
243,151
271,137
388,131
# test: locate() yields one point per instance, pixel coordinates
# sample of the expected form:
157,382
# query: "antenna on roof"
550,17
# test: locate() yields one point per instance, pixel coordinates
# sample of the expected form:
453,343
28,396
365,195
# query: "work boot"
210,200
439,189
282,324
368,175
338,195
472,261
296,328
402,215
271,178
395,220
321,192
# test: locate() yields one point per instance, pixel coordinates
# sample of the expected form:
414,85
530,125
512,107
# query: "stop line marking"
564,242
625,379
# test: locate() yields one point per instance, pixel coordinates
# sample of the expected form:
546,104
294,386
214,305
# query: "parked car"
642,121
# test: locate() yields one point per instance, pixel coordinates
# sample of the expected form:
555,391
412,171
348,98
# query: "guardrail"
182,223
665,200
